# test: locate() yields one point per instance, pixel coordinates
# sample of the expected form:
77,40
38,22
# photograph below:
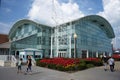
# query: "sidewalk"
40,73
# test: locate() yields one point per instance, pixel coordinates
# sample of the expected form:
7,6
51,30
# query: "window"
39,30
49,40
39,40
43,30
26,28
43,40
49,30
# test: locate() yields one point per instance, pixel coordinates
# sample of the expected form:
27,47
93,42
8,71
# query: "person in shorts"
19,66
111,63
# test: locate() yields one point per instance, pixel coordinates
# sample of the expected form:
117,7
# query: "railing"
13,59
4,57
8,60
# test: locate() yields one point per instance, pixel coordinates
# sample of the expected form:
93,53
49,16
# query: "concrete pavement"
39,73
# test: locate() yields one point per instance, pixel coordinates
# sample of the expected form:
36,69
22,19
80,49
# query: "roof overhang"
21,22
102,22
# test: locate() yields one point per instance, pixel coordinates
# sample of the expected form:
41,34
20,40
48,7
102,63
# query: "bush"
89,65
60,68
43,64
81,65
71,67
100,63
95,63
51,66
38,62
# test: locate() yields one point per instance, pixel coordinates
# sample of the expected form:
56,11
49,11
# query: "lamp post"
75,37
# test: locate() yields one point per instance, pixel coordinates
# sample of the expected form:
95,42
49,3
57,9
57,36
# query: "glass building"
89,36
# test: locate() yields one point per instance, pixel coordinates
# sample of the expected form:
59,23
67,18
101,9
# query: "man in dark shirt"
29,64
105,60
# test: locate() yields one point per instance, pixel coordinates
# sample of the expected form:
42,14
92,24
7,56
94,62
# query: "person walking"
105,59
29,64
111,63
19,66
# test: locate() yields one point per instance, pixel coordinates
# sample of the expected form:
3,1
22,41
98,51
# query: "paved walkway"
117,65
40,73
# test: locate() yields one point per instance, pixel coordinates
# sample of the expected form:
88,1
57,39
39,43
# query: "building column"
103,53
70,46
51,55
97,54
87,54
57,46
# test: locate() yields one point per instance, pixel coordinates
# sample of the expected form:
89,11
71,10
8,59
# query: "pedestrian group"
110,61
28,63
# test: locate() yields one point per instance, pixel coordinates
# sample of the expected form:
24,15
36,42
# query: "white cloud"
4,28
51,12
90,9
112,14
7,10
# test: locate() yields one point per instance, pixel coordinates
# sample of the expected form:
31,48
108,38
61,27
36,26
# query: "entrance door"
84,53
62,54
17,54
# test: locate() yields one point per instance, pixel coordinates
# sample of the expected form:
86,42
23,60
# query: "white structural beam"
70,46
51,55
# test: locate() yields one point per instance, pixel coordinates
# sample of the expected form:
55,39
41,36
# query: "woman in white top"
19,65
111,63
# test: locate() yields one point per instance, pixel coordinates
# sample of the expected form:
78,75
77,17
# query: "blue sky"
12,10
47,11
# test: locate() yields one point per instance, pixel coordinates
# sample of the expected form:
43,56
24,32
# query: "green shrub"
38,62
89,65
70,67
100,63
43,64
81,65
89,62
95,63
51,66
60,68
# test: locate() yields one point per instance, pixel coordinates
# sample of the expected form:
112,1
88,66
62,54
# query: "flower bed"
59,61
116,57
69,64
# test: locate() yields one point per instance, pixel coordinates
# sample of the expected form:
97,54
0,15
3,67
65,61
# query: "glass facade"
94,35
28,34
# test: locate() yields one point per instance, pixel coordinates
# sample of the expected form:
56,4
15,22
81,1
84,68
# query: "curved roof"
103,24
18,23
95,19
